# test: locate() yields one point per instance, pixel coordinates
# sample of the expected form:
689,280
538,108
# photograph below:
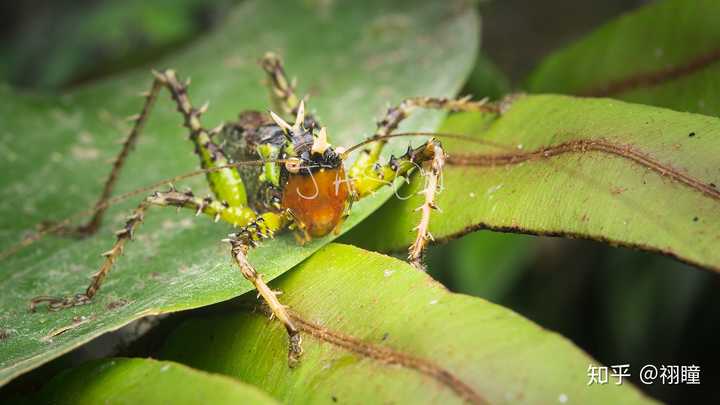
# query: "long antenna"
57,226
449,135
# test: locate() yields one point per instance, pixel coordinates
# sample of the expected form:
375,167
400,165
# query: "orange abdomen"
318,200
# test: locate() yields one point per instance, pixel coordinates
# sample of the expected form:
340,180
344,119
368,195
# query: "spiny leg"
369,157
226,184
122,236
368,176
128,145
382,175
170,198
240,243
282,90
253,229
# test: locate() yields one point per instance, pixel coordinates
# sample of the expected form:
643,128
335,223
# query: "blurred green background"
621,306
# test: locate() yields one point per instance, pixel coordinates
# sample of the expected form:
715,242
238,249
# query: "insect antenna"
56,227
511,155
448,135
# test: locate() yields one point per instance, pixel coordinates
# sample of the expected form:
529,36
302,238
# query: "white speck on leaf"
563,398
493,189
165,368
388,273
433,302
85,153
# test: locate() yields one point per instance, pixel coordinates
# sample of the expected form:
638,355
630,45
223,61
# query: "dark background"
620,306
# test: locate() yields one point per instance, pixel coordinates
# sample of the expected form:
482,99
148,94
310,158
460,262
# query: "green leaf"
375,328
486,264
584,193
353,58
101,37
146,381
665,54
486,80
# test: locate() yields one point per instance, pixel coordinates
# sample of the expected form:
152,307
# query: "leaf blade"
663,54
591,194
54,166
126,381
390,333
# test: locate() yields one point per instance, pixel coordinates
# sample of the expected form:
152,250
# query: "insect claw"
133,118
217,218
144,94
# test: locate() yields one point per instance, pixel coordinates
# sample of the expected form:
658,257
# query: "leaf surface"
146,381
376,329
623,173
666,54
352,58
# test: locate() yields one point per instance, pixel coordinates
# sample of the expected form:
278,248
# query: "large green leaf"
133,381
101,37
352,58
583,193
376,329
666,54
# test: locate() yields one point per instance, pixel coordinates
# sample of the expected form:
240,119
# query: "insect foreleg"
367,159
380,175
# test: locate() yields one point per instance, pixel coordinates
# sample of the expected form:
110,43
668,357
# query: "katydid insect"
300,184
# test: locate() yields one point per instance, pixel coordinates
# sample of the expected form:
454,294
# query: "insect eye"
293,165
